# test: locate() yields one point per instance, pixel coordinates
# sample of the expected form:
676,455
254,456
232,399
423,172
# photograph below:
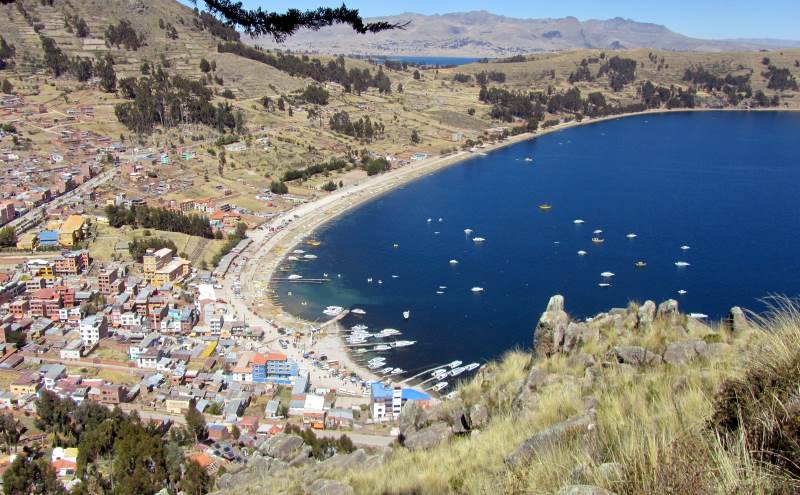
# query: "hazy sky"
697,18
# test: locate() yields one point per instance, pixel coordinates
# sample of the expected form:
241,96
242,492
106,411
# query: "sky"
697,18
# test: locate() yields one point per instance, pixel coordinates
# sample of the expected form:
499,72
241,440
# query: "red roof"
259,359
276,356
45,293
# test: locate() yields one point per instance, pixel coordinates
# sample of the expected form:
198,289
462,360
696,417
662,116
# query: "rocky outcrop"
329,487
580,425
646,314
428,437
634,356
683,351
583,490
286,448
479,415
737,321
258,468
549,334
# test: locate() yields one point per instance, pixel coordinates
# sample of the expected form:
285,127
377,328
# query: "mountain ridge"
481,33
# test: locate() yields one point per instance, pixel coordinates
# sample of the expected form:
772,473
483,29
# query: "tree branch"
282,25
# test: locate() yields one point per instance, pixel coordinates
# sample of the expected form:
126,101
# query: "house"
249,424
73,350
48,238
339,418
51,373
273,368
113,394
26,385
70,231
28,241
217,432
149,358
45,302
93,328
178,405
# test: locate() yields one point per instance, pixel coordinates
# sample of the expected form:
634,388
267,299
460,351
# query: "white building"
72,350
93,328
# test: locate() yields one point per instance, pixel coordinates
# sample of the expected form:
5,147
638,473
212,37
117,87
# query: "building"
179,405
73,350
153,260
48,238
113,394
45,302
173,272
107,279
28,241
93,328
273,368
386,403
26,385
72,263
70,232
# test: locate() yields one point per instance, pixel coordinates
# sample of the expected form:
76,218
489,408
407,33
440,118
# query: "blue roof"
48,235
381,391
411,394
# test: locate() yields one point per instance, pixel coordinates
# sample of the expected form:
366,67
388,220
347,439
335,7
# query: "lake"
726,184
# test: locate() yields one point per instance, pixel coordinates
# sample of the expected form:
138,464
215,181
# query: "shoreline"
299,224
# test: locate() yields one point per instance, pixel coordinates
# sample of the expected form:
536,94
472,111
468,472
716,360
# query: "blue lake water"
430,61
726,184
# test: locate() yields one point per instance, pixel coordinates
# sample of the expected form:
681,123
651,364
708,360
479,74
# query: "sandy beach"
283,234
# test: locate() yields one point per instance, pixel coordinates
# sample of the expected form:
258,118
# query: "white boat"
454,364
310,256
361,351
442,287
453,262
396,245
681,264
439,386
472,366
581,253
478,239
439,374
377,360
699,316
298,251
603,285
369,280
477,289
403,343
631,236
294,277
375,366
355,340
685,247
440,219
598,231
468,231
440,292
358,328
324,275
577,221
388,332
395,276
397,371
380,282
528,159
333,310
681,292
382,347
607,274
386,370
292,258
358,311
407,314
457,371
430,220
436,233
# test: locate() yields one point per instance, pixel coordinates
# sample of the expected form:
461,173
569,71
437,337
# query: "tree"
282,25
81,28
10,431
26,476
104,69
204,65
415,137
8,237
7,87
416,75
241,230
330,186
196,423
279,187
196,480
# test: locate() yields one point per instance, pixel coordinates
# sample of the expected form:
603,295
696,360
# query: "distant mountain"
484,34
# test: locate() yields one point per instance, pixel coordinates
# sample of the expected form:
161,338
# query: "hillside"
638,400
482,34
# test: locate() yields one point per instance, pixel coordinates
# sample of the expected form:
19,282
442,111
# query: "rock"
582,424
737,320
646,314
282,446
412,418
258,468
581,361
714,349
635,356
668,311
329,487
578,334
583,490
579,473
478,415
527,391
590,402
428,437
345,462
683,351
302,458
460,421
548,337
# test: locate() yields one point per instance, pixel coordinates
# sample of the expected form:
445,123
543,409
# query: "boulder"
412,418
460,421
577,334
526,397
634,356
428,437
646,314
668,311
478,415
683,351
329,487
583,490
257,469
581,424
737,320
282,446
581,361
548,337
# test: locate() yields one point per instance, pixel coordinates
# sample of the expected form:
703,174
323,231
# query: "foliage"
27,476
461,78
10,431
375,166
780,79
7,51
321,448
485,77
8,237
282,25
123,34
278,187
356,80
332,165
54,58
620,71
138,247
329,186
159,219
104,70
415,137
582,73
216,27
196,423
315,94
363,128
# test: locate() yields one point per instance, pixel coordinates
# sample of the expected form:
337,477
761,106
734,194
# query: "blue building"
48,238
274,368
